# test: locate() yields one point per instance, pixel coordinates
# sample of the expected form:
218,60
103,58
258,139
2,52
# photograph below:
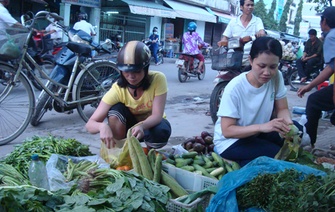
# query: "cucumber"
235,165
217,171
199,162
204,172
170,161
228,167
218,159
188,168
189,155
209,170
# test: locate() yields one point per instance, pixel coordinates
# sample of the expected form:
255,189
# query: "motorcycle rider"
154,39
245,26
82,24
53,31
312,55
191,41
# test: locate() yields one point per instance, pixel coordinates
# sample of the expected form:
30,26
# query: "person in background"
54,32
82,24
312,55
154,39
138,97
245,128
6,19
324,99
245,26
192,40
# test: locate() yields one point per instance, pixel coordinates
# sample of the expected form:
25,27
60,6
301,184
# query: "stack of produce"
201,144
288,51
210,165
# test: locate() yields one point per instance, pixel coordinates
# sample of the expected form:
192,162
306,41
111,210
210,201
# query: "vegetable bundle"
288,190
20,157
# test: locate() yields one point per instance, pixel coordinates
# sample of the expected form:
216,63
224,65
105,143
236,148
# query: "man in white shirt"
6,19
82,24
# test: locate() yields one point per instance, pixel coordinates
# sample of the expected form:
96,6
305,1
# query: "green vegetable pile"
97,189
288,190
20,157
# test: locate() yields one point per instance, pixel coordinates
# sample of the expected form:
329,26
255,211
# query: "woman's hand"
279,125
138,131
106,136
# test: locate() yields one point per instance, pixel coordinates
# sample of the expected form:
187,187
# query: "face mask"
155,33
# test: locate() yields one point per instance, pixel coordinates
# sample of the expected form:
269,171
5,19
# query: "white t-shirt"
247,104
235,28
85,26
6,19
55,35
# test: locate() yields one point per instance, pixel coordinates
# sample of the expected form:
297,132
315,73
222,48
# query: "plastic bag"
179,150
10,49
57,164
117,156
225,199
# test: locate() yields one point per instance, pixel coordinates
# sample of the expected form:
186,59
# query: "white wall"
201,28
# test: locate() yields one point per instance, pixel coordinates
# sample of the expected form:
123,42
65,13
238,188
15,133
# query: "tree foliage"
321,4
283,19
298,19
270,22
260,11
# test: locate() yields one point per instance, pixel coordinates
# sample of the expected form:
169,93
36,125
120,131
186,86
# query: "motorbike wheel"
202,75
43,105
295,83
92,84
17,102
160,58
215,99
182,75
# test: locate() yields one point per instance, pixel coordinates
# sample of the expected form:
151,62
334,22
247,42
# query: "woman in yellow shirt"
139,96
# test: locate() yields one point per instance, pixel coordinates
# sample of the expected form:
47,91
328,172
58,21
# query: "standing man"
324,99
82,24
6,19
312,55
246,26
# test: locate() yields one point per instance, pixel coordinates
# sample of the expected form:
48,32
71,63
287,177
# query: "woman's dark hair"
145,84
266,45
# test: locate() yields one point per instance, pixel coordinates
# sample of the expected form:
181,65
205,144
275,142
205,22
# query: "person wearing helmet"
154,39
192,40
82,24
245,26
6,19
138,98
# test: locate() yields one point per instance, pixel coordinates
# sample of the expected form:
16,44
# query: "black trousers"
317,102
305,68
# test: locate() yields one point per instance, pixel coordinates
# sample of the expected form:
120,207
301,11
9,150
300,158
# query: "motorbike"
188,67
160,54
287,67
228,62
76,55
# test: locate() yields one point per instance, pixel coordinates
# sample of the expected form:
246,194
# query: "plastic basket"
221,59
200,203
11,42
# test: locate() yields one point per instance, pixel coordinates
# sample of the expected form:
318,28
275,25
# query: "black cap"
329,13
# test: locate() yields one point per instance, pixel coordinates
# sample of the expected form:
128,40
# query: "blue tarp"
225,199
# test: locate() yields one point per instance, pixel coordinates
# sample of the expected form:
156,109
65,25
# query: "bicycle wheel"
43,105
17,104
92,83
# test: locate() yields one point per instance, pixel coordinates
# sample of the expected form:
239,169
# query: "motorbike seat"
189,55
80,48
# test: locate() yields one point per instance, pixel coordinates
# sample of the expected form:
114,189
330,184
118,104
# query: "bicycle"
86,85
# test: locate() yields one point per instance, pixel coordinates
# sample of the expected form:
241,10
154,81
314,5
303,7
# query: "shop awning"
222,17
191,12
149,8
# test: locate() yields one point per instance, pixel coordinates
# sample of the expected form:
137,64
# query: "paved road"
186,109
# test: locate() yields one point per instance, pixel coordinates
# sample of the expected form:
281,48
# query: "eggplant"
198,147
204,134
200,140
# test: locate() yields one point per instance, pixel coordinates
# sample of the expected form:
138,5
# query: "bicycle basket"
11,43
224,60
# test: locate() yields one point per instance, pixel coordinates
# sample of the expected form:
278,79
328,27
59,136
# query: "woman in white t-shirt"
244,129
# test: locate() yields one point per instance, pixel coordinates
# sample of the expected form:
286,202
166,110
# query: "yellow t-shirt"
142,107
